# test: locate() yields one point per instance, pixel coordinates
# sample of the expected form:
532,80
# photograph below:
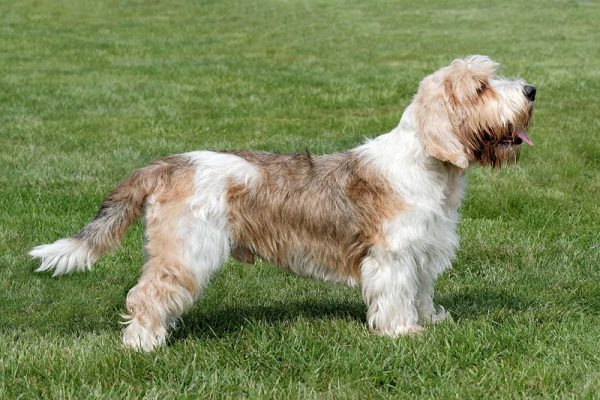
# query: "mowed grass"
91,90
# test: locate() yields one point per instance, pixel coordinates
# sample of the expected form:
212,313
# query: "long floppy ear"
440,96
431,116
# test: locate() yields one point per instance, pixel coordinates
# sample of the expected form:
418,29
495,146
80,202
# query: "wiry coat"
316,215
382,215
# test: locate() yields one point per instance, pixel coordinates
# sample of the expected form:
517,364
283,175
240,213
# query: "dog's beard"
502,146
497,154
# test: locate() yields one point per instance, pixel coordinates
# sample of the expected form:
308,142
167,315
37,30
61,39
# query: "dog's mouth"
512,136
501,145
519,137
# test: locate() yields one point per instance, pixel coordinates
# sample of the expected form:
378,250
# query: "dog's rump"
119,210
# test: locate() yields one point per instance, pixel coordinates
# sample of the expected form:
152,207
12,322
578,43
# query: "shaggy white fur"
382,215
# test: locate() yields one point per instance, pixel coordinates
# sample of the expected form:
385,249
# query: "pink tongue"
523,135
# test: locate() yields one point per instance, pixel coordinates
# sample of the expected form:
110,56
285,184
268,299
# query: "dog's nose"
529,91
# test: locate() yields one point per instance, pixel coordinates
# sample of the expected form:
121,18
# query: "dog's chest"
432,214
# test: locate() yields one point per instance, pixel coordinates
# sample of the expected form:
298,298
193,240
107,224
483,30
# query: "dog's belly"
325,258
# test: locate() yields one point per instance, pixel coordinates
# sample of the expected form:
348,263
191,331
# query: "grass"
91,90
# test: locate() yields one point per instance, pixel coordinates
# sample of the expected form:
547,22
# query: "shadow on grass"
472,303
224,321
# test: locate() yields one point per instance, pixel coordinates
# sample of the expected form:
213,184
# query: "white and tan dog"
381,216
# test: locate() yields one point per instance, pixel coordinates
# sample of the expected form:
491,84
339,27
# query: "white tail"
64,256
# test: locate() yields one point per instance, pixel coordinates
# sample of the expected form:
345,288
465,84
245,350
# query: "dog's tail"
119,210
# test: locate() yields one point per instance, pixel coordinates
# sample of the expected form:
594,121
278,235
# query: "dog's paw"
141,338
400,330
440,315
434,315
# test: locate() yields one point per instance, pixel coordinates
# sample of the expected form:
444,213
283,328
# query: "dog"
381,216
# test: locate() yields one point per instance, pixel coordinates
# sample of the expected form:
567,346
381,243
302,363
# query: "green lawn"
91,90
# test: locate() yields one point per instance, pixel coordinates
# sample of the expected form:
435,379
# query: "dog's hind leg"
165,290
183,251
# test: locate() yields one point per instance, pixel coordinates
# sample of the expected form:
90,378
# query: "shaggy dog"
381,216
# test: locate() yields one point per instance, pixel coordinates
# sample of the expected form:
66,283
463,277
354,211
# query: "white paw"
400,330
434,315
440,315
138,337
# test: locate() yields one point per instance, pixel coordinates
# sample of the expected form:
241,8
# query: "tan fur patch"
166,178
167,284
164,289
329,209
432,120
167,208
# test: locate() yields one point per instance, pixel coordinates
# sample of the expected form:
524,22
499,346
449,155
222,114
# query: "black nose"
529,91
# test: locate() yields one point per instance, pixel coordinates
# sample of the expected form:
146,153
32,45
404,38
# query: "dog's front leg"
389,286
428,311
431,267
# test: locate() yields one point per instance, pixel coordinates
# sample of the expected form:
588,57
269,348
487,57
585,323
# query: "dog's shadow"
475,302
218,323
227,320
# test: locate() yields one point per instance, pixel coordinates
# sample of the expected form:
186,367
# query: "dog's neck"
400,156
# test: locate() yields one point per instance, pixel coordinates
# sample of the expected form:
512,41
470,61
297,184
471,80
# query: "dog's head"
465,113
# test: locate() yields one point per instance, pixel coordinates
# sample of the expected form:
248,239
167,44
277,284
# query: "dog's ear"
431,117
466,78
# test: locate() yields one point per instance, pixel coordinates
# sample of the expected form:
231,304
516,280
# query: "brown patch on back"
329,209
